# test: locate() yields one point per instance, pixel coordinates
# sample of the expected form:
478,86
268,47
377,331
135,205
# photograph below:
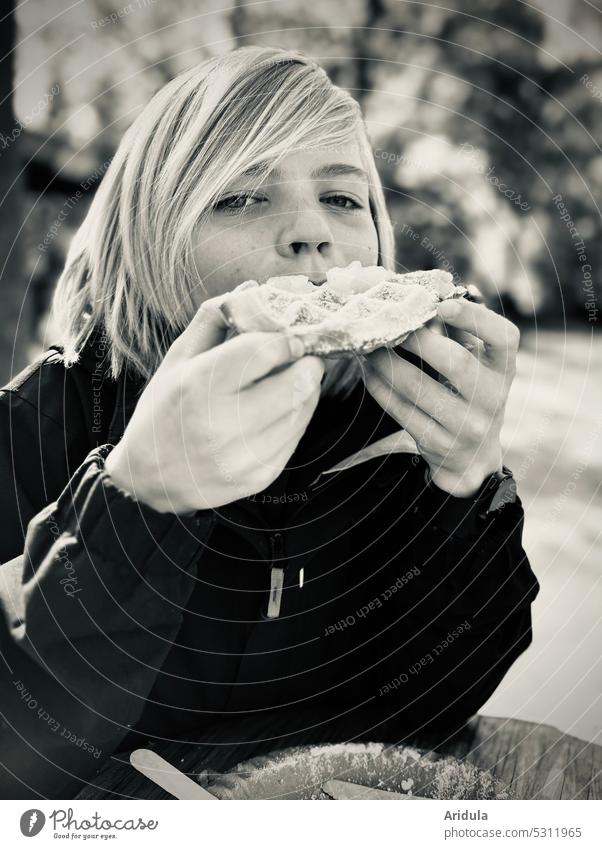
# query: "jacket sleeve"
90,609
465,616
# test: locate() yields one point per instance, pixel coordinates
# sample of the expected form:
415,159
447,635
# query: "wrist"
465,485
121,471
466,516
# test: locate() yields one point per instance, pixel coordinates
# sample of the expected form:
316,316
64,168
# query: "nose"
304,232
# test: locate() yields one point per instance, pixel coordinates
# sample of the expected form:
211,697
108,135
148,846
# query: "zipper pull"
276,584
276,577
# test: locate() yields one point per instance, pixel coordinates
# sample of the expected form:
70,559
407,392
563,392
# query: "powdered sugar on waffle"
301,772
358,308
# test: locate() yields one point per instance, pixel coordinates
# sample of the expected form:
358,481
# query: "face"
310,215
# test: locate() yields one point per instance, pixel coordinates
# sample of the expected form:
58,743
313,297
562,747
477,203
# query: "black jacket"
341,590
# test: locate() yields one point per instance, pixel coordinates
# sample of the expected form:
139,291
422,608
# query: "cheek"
361,242
222,261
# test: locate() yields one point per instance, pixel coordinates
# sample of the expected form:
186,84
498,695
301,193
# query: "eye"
236,203
343,202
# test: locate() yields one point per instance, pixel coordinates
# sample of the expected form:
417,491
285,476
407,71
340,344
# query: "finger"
282,394
500,336
453,361
267,452
467,340
207,329
412,384
427,433
283,434
241,361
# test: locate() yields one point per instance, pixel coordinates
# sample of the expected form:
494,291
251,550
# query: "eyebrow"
323,172
338,169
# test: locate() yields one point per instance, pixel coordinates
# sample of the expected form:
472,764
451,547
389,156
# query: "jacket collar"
123,392
397,442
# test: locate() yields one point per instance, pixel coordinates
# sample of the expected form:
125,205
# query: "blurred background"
486,122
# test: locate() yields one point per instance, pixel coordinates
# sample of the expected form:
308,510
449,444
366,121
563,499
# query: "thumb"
207,329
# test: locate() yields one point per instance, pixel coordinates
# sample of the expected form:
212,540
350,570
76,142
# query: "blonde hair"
129,271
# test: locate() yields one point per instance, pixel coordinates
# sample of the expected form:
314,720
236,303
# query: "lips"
316,277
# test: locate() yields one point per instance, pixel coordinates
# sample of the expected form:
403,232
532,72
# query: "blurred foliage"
477,114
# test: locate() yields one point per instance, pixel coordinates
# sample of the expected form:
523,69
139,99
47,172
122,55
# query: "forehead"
316,163
311,157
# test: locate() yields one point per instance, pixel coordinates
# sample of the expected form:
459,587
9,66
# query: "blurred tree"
482,82
15,326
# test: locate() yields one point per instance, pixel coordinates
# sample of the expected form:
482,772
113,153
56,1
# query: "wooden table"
534,761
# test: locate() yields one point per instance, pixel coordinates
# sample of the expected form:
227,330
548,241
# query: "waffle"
358,308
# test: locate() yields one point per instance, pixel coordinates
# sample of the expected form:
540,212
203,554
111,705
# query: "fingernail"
449,309
297,346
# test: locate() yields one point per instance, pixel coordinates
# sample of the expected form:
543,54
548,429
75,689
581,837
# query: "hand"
213,424
456,422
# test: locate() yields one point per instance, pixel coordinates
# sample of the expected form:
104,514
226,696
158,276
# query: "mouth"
317,277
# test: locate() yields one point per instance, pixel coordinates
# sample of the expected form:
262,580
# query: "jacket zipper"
276,543
277,572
